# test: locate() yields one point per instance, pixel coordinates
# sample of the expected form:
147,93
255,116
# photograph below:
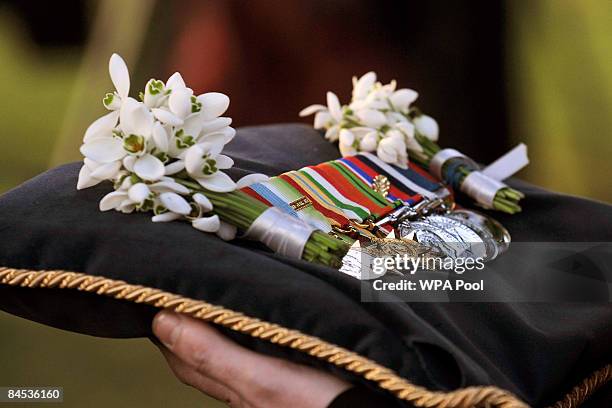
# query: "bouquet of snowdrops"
381,118
163,154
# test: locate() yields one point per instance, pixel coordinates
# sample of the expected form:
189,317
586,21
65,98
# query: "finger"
203,348
255,378
188,375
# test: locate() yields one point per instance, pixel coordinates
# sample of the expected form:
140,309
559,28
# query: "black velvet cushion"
535,350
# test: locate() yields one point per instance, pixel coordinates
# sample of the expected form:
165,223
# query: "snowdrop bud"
227,231
214,104
160,137
427,126
347,150
401,99
112,200
154,92
112,101
85,180
371,118
207,224
165,217
332,133
393,150
180,102
333,104
363,85
203,202
394,134
139,192
175,203
406,128
369,142
347,137
175,81
321,119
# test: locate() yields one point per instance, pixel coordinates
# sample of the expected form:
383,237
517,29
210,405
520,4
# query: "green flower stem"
505,200
241,210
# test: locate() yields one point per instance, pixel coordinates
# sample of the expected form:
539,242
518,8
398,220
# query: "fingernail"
167,327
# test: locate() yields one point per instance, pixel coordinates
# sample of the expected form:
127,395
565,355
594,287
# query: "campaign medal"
452,232
383,210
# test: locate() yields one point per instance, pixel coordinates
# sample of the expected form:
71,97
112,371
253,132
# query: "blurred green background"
558,99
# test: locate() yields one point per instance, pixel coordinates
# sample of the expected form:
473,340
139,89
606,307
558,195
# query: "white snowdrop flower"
401,99
395,117
222,136
312,109
211,126
155,93
102,127
384,109
174,167
393,150
114,200
154,148
137,125
160,137
168,185
347,142
406,128
203,162
166,117
139,192
207,224
175,203
371,118
120,76
347,150
333,105
227,231
166,217
203,202
369,142
93,173
213,105
346,137
363,86
179,102
323,120
332,133
175,81
427,126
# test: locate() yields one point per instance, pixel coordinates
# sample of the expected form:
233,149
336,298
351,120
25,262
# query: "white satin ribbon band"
481,188
508,164
483,185
282,233
437,162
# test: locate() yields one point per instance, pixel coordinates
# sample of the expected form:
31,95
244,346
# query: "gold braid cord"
477,396
586,388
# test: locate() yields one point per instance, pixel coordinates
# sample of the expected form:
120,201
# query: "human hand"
203,358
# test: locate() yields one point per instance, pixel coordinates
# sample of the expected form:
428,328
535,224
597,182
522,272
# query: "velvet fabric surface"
537,350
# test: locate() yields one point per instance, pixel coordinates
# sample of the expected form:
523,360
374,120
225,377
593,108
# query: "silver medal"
460,233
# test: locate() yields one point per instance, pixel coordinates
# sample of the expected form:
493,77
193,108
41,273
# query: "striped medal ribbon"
342,195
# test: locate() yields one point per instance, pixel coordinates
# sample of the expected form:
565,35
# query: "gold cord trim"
476,396
586,388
